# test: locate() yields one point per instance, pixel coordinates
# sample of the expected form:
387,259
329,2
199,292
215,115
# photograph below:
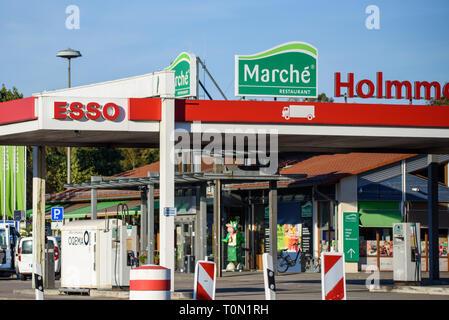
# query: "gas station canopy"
120,113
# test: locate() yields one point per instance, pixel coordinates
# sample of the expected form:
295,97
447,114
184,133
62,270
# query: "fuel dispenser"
97,254
406,253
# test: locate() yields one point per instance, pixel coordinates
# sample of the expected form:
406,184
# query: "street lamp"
68,54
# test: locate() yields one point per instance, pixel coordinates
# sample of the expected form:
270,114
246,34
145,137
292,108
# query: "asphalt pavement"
239,286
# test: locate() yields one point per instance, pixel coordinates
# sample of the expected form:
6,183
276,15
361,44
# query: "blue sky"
119,39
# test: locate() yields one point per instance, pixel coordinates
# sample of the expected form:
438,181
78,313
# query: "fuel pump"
406,253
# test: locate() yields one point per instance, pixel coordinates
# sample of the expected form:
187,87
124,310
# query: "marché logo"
288,70
185,74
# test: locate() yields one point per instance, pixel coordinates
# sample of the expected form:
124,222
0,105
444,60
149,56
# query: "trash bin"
189,264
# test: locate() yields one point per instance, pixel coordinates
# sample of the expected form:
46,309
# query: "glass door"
326,227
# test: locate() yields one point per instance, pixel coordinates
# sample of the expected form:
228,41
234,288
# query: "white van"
24,259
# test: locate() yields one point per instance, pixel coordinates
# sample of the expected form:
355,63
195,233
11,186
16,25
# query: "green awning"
74,215
84,211
100,206
136,209
382,219
29,212
380,214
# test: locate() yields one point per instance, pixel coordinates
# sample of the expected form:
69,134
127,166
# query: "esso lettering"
92,110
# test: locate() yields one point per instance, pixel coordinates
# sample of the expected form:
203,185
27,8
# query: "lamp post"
68,54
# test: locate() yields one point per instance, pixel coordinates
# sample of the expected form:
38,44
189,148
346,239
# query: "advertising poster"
386,248
371,248
289,233
12,180
288,239
443,248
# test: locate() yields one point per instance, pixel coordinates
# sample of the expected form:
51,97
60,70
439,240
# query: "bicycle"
285,261
311,264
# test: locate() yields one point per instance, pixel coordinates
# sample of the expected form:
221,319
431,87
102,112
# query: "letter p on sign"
57,213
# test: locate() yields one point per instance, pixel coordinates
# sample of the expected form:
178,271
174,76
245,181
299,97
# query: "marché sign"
186,78
288,70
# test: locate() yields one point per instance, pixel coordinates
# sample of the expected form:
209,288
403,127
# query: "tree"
137,157
444,101
8,94
55,158
321,98
96,161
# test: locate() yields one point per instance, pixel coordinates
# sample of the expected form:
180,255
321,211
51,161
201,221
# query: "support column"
217,227
202,225
347,202
93,198
167,185
273,221
39,174
432,205
150,227
143,220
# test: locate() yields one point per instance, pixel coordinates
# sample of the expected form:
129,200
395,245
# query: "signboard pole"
213,80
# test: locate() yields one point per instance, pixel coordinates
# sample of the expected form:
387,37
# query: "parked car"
24,257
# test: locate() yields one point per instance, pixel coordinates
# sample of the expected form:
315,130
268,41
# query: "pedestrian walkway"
307,286
289,286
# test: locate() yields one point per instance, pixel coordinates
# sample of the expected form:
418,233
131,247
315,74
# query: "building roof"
341,165
330,168
318,168
140,172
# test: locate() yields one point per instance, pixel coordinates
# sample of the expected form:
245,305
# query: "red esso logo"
92,111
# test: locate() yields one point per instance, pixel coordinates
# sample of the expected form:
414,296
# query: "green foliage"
7,94
321,98
137,157
89,161
97,161
443,102
56,158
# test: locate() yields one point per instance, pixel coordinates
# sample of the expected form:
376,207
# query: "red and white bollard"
149,282
204,282
333,282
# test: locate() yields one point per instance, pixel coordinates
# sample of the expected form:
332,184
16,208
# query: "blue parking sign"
57,213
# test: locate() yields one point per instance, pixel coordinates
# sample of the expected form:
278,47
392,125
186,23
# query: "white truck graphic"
293,111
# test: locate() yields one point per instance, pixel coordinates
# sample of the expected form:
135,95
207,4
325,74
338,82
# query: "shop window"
376,240
326,226
442,242
368,242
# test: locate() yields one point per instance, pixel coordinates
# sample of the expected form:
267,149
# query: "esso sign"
92,110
